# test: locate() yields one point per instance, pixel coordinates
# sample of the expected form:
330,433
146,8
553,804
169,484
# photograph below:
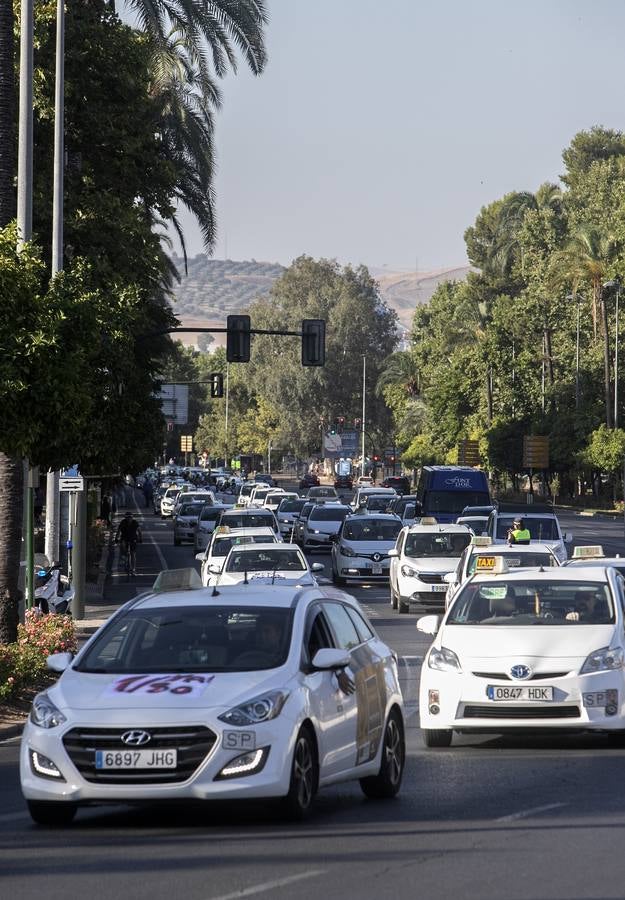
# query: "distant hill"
213,288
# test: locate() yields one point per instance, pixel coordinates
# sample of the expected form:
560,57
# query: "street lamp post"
614,283
364,378
616,360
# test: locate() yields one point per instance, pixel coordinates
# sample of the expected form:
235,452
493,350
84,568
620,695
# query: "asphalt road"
531,818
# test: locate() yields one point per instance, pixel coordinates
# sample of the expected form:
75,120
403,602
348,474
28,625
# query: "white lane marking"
524,813
159,552
270,885
11,740
13,817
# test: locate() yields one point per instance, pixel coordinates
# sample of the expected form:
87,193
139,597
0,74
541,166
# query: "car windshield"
290,506
189,639
190,509
264,560
377,503
210,514
452,501
569,603
328,514
371,529
541,529
448,544
476,525
248,520
222,545
514,561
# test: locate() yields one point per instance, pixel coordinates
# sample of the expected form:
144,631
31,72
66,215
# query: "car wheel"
52,814
304,777
336,578
402,606
437,737
393,599
387,782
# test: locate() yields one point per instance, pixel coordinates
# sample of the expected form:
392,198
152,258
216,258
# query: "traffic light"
217,384
313,342
238,339
357,423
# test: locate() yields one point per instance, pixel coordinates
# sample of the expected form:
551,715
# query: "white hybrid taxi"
527,650
237,692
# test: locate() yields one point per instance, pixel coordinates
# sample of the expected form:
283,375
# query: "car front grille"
475,711
193,743
503,676
428,578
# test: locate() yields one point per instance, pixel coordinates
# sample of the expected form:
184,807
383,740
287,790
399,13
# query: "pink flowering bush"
23,663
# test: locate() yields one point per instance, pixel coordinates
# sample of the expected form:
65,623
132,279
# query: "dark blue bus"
444,491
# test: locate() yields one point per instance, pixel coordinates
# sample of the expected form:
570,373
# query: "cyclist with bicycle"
129,533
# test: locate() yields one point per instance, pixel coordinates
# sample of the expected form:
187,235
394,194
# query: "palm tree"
399,370
587,259
511,217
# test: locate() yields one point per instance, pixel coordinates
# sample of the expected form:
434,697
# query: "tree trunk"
606,363
596,299
10,469
11,499
489,395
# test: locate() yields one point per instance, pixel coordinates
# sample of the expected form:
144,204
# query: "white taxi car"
270,562
527,650
207,523
220,544
481,555
260,692
423,555
360,550
593,555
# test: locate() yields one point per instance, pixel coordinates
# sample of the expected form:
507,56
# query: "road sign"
469,453
186,443
76,483
536,451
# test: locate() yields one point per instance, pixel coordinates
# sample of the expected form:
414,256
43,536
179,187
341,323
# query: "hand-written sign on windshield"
180,685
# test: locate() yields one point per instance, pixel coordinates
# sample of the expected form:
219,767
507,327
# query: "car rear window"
248,520
290,506
541,529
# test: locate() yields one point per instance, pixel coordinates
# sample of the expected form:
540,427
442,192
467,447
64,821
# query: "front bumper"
184,533
319,541
271,781
464,705
359,569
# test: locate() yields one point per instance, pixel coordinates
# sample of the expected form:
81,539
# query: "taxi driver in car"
588,608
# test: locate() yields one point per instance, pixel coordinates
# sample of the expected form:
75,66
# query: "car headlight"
259,709
346,551
603,660
444,660
409,572
44,713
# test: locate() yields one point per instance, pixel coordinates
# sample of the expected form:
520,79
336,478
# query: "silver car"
185,521
360,550
323,521
209,516
287,515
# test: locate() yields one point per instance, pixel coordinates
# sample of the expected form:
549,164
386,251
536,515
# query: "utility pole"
53,496
364,378
616,360
25,231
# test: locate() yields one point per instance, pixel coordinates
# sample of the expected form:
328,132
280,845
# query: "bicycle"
128,556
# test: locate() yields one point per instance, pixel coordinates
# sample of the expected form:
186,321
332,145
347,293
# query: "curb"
9,731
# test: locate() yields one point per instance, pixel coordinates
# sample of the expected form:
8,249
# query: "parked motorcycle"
53,591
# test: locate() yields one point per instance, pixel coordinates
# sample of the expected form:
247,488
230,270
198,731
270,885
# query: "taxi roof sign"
491,565
589,551
428,520
177,580
481,540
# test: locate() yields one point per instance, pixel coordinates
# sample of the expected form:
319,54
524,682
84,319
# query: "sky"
379,128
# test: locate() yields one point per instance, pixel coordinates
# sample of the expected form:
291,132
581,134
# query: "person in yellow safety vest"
519,534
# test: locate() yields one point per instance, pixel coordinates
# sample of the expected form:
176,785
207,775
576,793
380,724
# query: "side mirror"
329,658
199,557
393,553
567,537
334,538
214,570
58,662
429,624
317,567
450,578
